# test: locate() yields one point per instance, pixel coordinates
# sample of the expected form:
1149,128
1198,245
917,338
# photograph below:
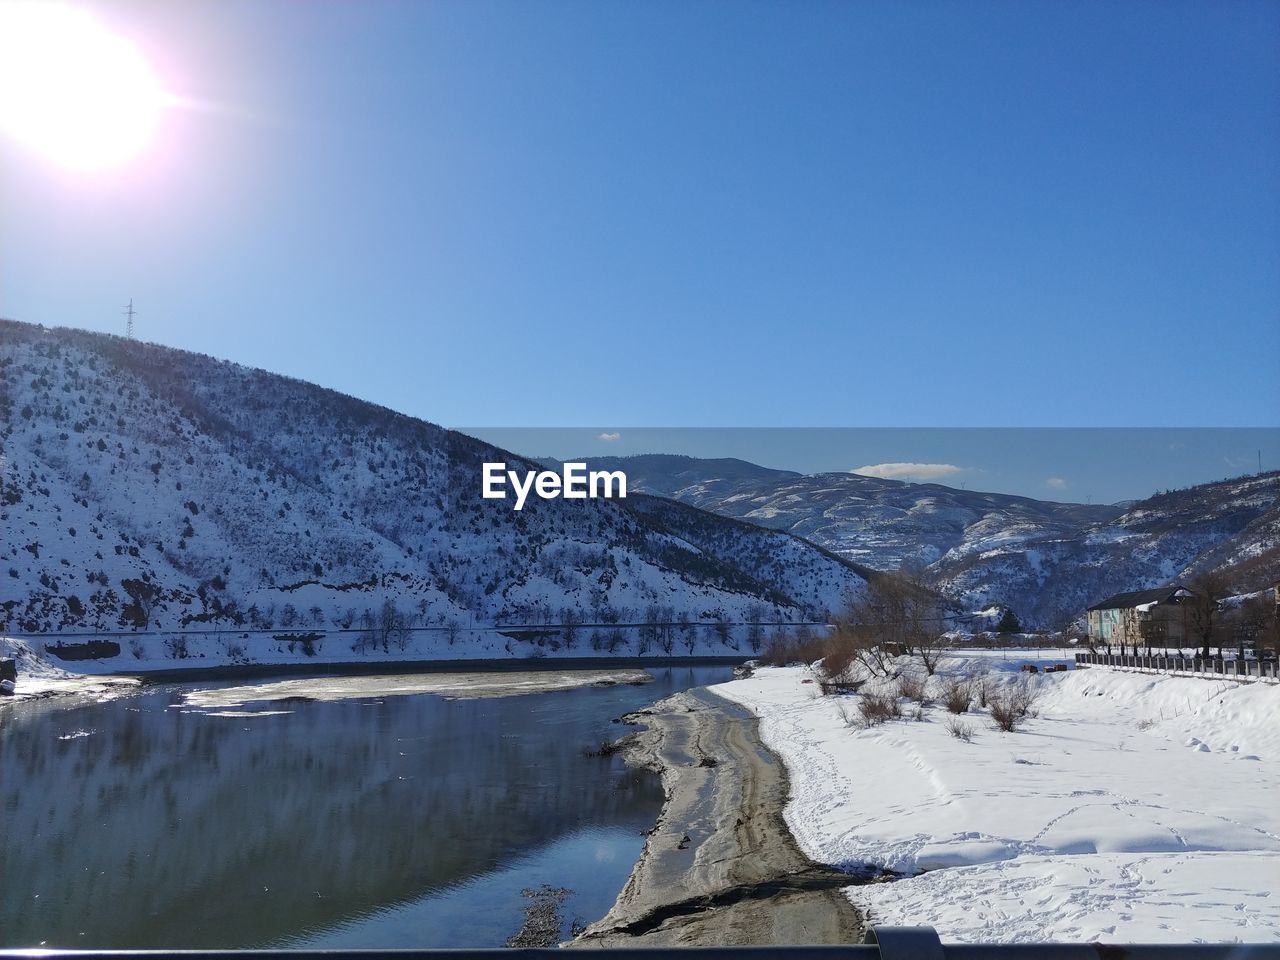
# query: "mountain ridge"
147,487
1048,560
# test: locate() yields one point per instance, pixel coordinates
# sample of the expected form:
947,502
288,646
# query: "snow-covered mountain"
145,486
881,523
1168,537
1047,561
692,479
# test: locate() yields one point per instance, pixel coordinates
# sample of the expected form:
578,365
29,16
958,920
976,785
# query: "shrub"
982,688
957,695
1014,703
960,730
875,708
1004,713
1025,694
840,656
912,686
783,651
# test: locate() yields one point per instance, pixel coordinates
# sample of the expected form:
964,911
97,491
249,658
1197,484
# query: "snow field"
1130,808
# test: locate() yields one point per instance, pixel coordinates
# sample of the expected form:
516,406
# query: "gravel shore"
720,866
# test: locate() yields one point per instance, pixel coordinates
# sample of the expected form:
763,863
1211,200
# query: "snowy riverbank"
42,674
720,866
1131,808
309,650
39,677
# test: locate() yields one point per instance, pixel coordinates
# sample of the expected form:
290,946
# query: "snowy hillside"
880,523
1124,808
692,479
151,488
1048,561
1168,537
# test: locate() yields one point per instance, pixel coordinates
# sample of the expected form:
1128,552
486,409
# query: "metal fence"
881,943
1242,669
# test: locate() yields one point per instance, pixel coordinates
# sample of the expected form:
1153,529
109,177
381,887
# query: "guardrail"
881,943
1172,663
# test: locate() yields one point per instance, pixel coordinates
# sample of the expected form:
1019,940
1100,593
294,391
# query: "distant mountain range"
1048,561
145,486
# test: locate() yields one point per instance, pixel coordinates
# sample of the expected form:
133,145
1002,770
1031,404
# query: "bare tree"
451,629
649,629
895,615
381,630
1203,607
688,631
1130,629
570,621
367,638
666,632
755,630
144,595
723,632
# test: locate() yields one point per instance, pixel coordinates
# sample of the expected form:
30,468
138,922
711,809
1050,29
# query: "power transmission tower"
128,320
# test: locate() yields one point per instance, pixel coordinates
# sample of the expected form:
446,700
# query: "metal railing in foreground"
881,943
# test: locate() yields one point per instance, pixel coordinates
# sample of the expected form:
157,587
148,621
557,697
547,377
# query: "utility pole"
128,320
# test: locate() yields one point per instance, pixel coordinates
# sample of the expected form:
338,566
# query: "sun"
72,89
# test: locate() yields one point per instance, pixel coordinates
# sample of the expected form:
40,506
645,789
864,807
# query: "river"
362,820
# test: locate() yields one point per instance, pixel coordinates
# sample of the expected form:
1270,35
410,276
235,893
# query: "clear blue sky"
696,213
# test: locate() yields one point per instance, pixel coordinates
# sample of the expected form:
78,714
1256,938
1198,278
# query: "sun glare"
73,90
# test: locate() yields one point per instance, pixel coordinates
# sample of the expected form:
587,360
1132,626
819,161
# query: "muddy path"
721,866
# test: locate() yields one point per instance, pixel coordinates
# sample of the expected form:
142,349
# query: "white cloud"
609,437
1058,483
909,471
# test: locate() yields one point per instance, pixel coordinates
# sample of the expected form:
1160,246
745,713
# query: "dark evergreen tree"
1009,623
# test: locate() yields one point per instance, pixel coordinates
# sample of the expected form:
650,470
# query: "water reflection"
368,818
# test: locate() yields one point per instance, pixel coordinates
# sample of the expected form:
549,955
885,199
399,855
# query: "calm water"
410,821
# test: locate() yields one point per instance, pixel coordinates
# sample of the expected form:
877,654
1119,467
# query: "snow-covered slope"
692,479
1129,808
1171,536
1048,561
881,523
144,486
